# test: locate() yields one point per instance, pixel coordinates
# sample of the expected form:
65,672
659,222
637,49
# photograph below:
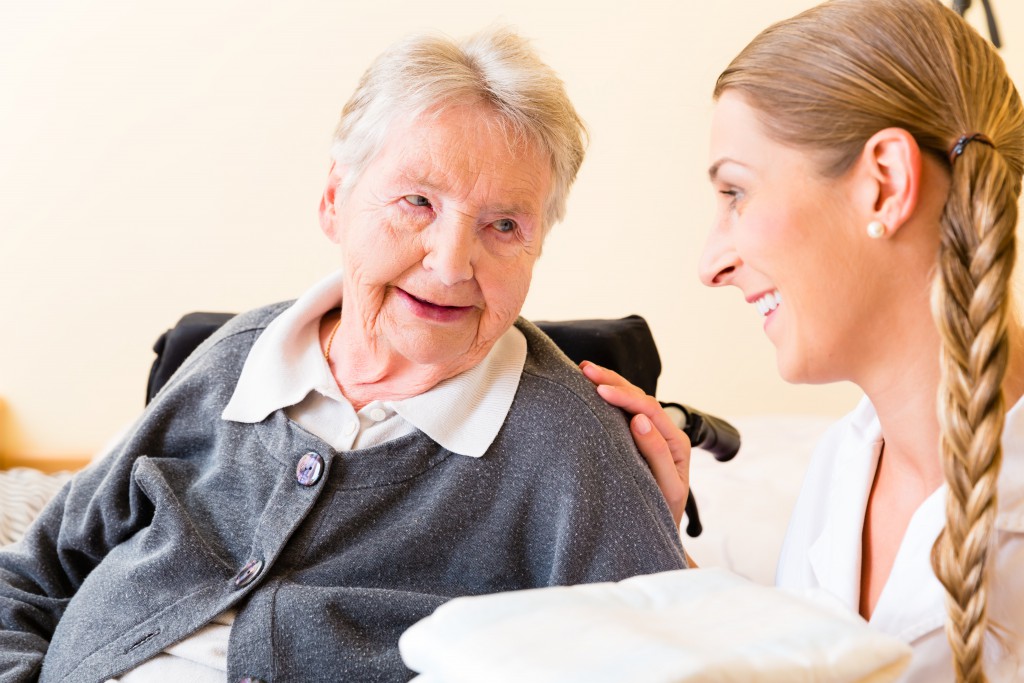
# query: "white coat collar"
913,601
835,556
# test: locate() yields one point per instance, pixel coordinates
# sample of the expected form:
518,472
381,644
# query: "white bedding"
23,493
684,626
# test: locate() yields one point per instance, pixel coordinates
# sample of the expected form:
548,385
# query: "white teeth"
768,303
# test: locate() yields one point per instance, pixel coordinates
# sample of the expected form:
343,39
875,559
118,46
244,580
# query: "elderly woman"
321,474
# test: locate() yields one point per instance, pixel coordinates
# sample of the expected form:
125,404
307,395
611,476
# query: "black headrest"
624,345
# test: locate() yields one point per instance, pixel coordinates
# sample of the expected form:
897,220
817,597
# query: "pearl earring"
876,229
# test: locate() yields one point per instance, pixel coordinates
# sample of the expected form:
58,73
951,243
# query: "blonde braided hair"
827,80
972,305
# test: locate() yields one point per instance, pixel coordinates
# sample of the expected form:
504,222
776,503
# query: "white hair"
497,68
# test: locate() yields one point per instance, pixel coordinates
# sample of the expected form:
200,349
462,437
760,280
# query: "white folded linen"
689,625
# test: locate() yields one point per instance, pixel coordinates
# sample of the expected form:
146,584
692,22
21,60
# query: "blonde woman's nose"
719,261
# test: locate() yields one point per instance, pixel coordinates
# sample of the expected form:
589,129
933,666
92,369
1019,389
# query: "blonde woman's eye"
417,200
505,225
733,195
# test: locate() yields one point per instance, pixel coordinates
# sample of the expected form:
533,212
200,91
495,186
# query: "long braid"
972,307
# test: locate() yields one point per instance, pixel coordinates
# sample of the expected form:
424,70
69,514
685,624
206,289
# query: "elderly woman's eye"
504,225
417,200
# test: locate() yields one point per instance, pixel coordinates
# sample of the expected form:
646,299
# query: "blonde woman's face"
786,237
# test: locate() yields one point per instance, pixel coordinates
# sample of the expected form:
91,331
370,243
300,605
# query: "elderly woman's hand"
662,443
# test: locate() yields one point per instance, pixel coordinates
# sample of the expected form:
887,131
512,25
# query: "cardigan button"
311,467
250,679
249,572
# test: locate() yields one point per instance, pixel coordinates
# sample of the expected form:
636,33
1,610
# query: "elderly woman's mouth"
433,311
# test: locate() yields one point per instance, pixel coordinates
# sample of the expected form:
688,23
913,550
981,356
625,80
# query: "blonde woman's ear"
892,169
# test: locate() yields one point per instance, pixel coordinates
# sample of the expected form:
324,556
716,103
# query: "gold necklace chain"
330,340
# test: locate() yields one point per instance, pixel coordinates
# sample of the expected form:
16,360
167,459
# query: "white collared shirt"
286,369
821,554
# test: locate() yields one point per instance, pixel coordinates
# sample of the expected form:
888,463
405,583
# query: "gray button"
249,572
311,466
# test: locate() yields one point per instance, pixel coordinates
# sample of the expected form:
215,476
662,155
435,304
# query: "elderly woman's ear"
328,202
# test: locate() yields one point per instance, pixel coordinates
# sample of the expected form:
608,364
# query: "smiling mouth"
431,311
432,304
768,303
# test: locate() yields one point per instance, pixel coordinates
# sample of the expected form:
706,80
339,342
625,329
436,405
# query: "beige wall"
162,158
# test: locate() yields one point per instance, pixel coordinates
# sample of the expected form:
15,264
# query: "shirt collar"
834,555
463,413
912,602
865,433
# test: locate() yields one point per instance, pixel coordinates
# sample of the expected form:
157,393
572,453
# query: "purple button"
311,466
250,679
249,572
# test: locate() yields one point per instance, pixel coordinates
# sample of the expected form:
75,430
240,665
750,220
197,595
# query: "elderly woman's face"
439,235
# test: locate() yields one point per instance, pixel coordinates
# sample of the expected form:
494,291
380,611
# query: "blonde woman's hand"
661,442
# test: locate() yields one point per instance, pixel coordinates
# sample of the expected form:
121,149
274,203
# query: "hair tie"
964,140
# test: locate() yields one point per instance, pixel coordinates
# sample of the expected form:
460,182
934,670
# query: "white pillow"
689,625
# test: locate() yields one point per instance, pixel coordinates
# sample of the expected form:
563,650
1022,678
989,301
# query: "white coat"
821,554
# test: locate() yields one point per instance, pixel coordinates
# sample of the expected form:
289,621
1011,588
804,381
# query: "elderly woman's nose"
450,251
719,261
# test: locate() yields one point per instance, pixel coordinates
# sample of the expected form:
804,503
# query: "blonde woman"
867,157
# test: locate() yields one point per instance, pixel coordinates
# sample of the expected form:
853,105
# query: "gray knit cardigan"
192,515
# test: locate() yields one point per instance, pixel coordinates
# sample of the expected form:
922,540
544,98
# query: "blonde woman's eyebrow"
713,170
